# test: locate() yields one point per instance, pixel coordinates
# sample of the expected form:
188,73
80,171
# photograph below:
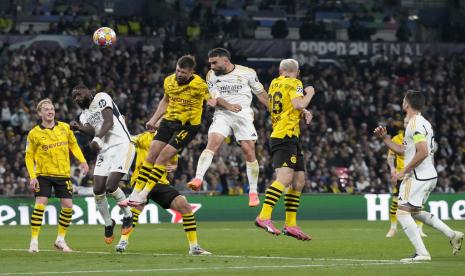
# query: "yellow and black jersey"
186,100
398,139
284,117
47,151
142,143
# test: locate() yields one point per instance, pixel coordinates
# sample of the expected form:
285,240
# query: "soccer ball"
104,37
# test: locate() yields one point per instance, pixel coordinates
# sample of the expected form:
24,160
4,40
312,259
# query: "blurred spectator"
403,33
351,100
279,29
193,31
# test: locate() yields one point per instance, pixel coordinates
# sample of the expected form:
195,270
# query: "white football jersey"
119,133
419,125
236,87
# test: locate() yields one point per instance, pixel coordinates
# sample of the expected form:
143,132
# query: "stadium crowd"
341,154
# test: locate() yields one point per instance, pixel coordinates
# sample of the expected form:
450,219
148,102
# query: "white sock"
60,238
410,228
205,160
434,222
252,175
394,225
102,206
119,196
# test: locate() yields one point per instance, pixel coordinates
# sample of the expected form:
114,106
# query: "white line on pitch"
218,256
195,268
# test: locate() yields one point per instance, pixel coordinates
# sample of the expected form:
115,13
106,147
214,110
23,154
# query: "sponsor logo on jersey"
230,89
54,145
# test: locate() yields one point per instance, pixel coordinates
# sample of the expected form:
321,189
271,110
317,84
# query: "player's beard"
84,103
219,72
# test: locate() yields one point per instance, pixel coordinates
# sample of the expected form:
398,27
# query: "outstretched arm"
381,133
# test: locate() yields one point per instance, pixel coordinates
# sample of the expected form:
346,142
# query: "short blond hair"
42,102
289,65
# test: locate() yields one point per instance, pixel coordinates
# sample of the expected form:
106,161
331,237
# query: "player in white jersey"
232,87
419,175
101,118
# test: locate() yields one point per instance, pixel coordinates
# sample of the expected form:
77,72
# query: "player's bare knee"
250,155
213,146
181,205
66,203
42,200
407,209
152,155
99,196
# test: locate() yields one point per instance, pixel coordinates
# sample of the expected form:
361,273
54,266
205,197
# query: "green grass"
339,247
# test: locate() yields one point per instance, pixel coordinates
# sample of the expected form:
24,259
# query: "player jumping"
181,108
102,120
232,85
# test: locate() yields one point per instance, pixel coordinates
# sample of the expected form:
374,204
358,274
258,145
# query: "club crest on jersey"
293,159
102,103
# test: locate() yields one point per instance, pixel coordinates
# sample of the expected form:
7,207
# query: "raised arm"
381,133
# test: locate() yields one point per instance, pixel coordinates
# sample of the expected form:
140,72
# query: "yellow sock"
272,195
36,220
155,175
135,220
164,179
143,176
419,224
291,201
393,211
63,221
190,227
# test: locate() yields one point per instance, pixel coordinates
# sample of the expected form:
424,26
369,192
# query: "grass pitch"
239,248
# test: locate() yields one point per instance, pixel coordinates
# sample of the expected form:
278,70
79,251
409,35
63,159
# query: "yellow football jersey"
47,151
398,139
185,101
142,143
285,118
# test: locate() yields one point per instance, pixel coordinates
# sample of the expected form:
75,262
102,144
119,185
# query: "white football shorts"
415,192
240,124
115,159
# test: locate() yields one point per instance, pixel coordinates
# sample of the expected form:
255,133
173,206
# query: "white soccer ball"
104,37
